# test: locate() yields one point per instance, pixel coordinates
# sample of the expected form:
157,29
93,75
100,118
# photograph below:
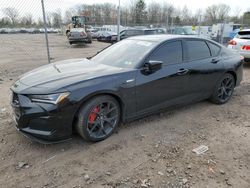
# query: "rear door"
205,66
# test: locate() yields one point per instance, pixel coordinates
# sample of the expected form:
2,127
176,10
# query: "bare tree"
27,20
153,13
185,15
69,14
12,14
223,12
217,13
166,12
57,18
140,11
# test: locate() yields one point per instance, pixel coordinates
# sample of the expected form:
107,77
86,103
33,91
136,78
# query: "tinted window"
243,35
124,54
150,32
168,53
214,49
133,32
197,49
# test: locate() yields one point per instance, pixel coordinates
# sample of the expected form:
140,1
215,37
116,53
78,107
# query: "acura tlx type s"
127,80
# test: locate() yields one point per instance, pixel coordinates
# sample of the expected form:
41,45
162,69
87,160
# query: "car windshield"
124,54
189,31
243,35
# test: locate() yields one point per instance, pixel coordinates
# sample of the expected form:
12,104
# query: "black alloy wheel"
224,89
98,118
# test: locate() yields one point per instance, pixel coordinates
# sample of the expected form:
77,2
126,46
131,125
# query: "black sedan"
128,80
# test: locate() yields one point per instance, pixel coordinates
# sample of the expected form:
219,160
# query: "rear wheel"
98,118
224,89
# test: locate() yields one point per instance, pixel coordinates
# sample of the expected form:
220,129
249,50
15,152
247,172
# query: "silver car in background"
241,44
79,35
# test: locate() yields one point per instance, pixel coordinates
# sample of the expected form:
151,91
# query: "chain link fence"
26,17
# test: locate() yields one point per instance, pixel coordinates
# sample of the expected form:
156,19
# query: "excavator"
78,22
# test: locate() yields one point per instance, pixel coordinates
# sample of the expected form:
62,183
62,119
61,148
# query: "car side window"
214,49
169,53
197,49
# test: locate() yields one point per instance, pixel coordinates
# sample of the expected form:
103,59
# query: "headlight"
52,98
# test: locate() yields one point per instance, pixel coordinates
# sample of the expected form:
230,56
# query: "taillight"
232,42
245,47
82,34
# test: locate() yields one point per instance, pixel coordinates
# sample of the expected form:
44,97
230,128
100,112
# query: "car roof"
245,30
161,37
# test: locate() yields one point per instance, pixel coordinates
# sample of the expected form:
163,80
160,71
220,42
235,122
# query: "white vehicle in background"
241,43
226,28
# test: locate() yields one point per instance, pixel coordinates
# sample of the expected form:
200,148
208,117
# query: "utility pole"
222,32
199,30
118,22
167,23
172,24
46,31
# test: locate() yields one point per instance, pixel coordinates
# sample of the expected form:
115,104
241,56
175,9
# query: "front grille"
15,99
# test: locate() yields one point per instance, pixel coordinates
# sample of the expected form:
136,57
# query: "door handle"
215,60
182,71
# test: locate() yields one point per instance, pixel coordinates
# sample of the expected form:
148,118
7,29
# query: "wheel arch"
234,75
102,93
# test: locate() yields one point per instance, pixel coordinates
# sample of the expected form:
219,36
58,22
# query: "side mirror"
151,67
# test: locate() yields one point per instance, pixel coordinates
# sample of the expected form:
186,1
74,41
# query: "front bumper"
42,122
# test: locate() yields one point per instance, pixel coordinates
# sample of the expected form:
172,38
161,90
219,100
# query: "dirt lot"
152,152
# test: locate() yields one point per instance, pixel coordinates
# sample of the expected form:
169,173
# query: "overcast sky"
34,6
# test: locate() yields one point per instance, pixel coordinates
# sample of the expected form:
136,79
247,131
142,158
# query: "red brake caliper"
93,114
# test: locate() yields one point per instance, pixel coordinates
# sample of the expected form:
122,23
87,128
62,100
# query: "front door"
168,85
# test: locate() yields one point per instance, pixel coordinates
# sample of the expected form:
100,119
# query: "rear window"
150,32
77,30
214,49
243,35
197,49
133,32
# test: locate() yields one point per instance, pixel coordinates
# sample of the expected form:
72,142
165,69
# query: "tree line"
134,13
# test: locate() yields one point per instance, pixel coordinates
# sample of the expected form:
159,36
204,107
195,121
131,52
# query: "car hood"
55,76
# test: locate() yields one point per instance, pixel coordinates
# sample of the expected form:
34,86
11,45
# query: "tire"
224,89
98,118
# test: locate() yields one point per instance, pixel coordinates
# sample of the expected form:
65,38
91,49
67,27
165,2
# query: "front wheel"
98,118
224,89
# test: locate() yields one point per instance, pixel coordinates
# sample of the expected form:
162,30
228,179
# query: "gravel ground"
155,151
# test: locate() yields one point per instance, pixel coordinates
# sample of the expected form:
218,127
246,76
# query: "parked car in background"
183,31
79,35
135,32
241,43
106,36
3,31
130,79
23,30
33,31
161,30
188,31
14,31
